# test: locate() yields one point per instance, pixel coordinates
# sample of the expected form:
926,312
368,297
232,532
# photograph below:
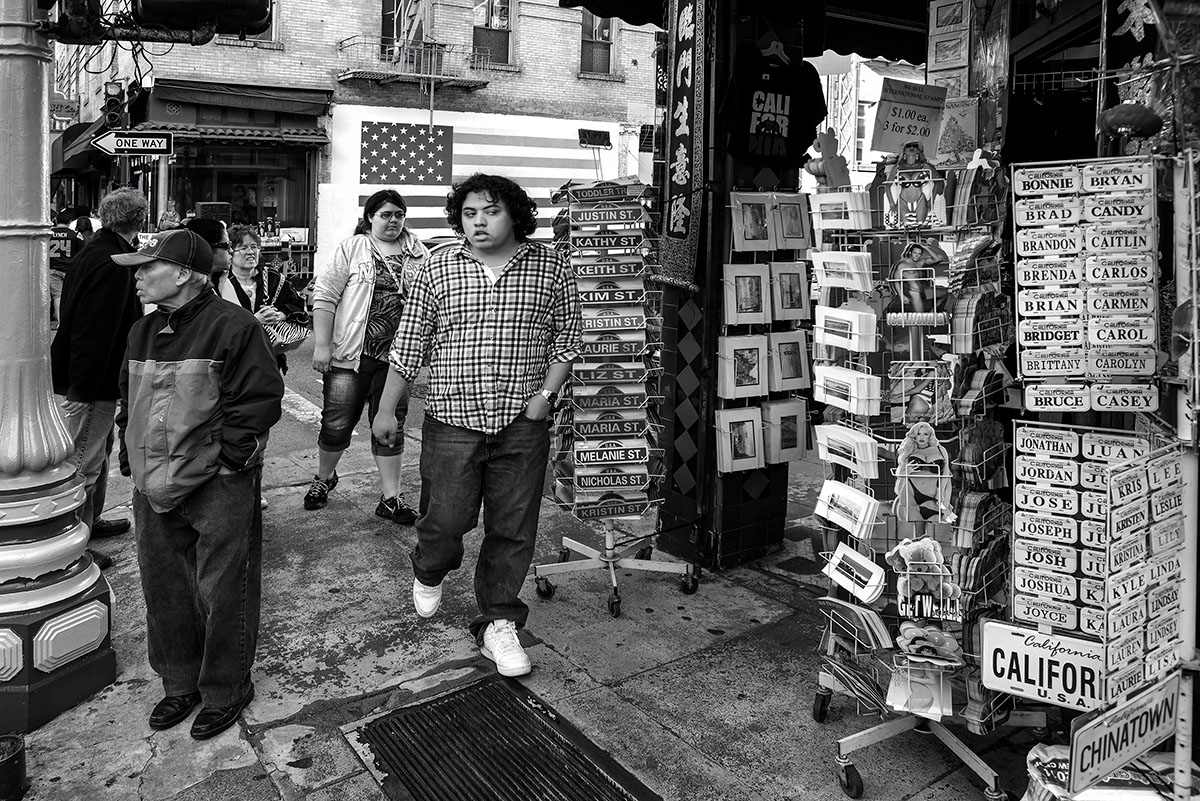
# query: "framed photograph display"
742,367
790,291
954,80
949,15
753,222
747,293
789,361
948,50
739,439
784,428
794,228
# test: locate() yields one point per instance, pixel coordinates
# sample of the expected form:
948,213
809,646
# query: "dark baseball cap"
180,246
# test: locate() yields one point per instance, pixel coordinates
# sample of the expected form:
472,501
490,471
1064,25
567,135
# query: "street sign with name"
136,143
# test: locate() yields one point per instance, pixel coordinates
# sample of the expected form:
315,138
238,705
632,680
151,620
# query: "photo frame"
793,229
785,429
747,294
946,16
739,439
753,221
789,360
948,50
742,367
954,80
790,291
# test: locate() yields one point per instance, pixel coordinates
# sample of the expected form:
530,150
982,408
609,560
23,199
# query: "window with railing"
860,132
595,51
493,27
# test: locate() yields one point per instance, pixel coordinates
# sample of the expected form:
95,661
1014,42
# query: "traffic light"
114,103
232,17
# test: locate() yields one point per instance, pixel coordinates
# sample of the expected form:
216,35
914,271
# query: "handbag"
285,335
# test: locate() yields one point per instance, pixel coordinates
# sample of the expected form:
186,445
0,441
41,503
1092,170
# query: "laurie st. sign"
135,143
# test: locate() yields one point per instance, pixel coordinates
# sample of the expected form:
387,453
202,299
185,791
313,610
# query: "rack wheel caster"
851,782
1042,735
564,554
644,553
690,584
821,706
545,589
614,606
997,795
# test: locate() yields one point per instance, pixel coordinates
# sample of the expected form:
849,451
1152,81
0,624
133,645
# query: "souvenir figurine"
913,185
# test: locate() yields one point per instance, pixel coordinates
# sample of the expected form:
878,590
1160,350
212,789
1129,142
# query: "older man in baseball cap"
199,393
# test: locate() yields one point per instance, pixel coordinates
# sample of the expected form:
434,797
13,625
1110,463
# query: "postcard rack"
908,442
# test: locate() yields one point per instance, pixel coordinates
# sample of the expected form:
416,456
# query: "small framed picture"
790,291
789,361
955,81
753,222
949,15
747,293
794,225
739,439
785,424
742,367
949,50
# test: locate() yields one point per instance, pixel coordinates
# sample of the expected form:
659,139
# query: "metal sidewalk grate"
493,741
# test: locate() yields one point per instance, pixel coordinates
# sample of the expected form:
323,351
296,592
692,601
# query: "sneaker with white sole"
426,599
501,645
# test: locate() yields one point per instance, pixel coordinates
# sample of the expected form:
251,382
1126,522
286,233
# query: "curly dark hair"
520,206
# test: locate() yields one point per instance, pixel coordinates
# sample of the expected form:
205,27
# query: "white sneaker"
500,644
426,599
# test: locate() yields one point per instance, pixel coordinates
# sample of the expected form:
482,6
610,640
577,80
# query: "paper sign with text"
908,112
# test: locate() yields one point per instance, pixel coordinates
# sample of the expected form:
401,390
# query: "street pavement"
704,697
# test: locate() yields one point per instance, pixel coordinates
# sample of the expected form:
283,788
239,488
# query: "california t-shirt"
773,109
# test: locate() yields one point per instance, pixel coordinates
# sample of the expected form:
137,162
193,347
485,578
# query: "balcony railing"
375,58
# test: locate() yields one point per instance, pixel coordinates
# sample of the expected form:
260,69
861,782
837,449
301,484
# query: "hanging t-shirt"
773,109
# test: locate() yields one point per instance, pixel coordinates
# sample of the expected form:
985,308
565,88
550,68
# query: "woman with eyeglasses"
357,301
262,291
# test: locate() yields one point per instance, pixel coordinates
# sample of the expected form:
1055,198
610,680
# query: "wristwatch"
550,395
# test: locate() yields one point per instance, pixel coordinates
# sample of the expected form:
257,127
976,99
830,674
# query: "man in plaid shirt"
500,319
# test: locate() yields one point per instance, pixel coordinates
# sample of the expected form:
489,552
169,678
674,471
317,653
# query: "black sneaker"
102,560
318,491
396,510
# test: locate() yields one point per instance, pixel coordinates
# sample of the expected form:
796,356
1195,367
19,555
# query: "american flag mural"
422,161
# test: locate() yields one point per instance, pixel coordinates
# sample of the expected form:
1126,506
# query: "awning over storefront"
70,151
891,29
313,102
230,135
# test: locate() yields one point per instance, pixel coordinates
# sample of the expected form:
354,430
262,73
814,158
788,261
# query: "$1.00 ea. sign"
1064,671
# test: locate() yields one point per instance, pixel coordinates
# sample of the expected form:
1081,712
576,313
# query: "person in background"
99,306
500,319
85,229
214,233
198,384
65,242
257,289
357,301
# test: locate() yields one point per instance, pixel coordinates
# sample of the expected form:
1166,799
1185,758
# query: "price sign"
908,112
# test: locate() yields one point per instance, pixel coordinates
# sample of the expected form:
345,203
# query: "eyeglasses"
390,215
241,248
223,246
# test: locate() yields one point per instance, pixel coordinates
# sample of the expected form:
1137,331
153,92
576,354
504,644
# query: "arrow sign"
135,143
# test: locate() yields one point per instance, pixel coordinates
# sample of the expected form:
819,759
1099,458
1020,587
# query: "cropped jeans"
201,566
461,470
91,431
345,393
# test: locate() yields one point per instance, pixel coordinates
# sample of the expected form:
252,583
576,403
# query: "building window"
860,132
257,183
493,27
595,52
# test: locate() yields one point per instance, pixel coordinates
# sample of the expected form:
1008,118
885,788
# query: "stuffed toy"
922,569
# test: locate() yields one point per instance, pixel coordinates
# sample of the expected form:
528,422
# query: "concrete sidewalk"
703,697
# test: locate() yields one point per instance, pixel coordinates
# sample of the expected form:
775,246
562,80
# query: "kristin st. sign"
136,143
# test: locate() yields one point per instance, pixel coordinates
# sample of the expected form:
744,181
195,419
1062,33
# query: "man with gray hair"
97,309
199,393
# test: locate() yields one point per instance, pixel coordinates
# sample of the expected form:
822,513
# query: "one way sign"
136,143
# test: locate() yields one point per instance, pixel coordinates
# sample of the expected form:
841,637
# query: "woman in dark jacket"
263,291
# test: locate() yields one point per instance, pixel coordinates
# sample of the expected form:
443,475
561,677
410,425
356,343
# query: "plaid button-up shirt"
489,345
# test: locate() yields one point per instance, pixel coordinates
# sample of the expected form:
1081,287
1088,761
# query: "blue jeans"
462,469
345,392
92,432
201,566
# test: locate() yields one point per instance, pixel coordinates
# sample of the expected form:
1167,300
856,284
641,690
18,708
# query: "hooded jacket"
199,391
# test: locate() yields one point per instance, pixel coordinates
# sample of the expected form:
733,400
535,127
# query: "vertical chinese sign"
685,141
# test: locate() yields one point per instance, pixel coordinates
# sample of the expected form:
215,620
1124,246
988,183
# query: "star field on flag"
406,153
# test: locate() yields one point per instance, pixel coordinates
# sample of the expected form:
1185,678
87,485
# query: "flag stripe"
468,137
463,158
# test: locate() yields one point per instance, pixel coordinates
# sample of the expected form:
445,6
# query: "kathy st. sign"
135,143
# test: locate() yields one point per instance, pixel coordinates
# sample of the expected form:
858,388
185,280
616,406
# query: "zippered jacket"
345,286
199,391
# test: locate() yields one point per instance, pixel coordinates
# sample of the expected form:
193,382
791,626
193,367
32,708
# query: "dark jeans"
345,392
201,567
460,469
